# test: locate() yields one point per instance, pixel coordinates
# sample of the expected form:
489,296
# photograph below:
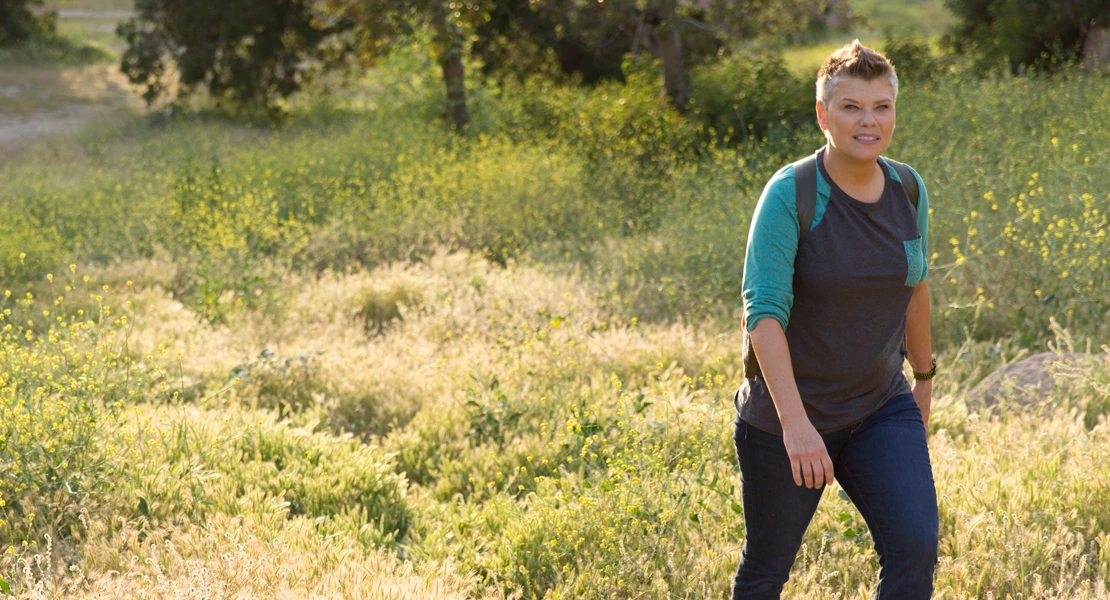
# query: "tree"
826,16
665,28
18,22
524,38
1017,33
380,22
245,52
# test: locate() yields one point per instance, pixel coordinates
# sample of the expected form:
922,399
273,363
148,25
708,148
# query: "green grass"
917,19
69,48
310,351
804,61
929,18
94,5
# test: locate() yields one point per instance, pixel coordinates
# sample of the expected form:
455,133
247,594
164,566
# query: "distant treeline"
254,53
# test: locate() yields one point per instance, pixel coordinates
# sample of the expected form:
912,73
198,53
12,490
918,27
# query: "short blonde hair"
853,60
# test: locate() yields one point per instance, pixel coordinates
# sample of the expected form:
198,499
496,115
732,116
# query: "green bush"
249,53
234,462
745,97
1016,34
64,387
19,23
912,58
280,383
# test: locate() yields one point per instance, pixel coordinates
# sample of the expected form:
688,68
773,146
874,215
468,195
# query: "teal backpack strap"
805,194
909,182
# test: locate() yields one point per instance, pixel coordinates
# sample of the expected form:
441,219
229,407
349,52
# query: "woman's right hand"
809,459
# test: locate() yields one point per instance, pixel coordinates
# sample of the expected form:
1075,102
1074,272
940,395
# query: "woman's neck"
848,172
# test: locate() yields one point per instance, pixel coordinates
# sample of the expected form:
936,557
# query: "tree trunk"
1096,49
838,14
449,42
670,55
453,77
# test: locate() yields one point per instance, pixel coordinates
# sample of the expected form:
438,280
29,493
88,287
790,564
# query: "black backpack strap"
747,355
909,182
805,194
805,201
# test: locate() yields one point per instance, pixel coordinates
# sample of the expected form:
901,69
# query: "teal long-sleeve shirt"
840,297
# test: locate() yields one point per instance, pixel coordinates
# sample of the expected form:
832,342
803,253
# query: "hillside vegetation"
357,355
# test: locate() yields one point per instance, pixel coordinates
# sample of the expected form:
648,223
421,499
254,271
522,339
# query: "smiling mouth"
867,138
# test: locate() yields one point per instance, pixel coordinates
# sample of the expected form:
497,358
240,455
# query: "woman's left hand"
923,395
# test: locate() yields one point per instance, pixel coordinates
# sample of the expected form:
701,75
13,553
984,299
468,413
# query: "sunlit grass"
542,429
353,350
927,17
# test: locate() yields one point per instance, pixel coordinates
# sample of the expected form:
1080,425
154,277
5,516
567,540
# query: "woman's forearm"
769,343
809,458
918,341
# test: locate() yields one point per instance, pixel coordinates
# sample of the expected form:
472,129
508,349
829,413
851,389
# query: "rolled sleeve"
768,286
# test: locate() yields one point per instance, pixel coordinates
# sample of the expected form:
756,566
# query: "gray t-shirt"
841,297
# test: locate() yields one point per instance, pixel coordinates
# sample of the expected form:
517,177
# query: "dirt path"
31,127
38,102
78,13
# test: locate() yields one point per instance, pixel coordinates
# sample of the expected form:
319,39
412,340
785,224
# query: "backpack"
805,199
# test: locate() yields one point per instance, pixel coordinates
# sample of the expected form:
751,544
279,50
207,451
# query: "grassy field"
924,20
354,355
925,17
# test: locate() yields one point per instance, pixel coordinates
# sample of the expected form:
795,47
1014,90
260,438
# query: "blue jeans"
882,463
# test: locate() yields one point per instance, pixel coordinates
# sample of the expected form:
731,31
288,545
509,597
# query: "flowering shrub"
65,378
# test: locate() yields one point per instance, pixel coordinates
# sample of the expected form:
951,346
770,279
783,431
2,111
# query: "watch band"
926,376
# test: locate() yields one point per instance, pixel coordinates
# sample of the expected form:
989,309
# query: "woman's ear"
820,108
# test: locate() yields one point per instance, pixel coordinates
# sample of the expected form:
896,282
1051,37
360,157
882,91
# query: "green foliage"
64,385
1014,34
224,227
19,21
1023,243
56,49
564,436
280,383
927,17
74,442
523,39
693,263
627,491
567,175
235,462
912,58
249,53
513,352
564,39
747,96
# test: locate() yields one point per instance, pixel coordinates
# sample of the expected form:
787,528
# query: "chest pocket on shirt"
915,262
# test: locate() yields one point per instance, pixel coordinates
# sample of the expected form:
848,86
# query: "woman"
831,318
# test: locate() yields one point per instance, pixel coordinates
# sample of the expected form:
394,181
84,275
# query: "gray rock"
1028,381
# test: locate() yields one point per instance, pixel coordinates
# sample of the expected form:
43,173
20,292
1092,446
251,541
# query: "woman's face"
859,120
